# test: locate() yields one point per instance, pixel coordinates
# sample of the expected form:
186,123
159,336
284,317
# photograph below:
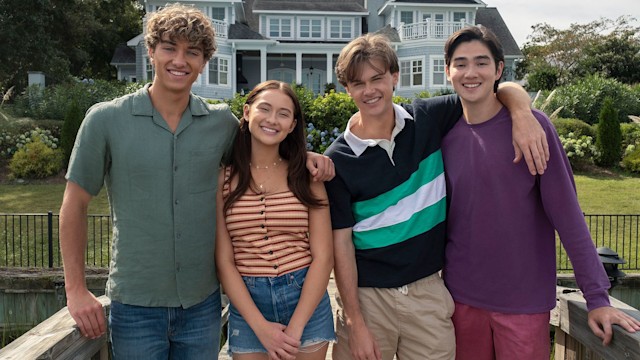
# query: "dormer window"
280,28
341,29
310,29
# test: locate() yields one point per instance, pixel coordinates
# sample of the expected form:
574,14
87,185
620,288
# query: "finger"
518,153
94,328
544,156
531,164
545,146
608,334
595,328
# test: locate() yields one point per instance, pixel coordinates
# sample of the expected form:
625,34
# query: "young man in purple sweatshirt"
500,252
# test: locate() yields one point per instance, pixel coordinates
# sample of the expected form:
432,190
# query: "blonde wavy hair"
181,22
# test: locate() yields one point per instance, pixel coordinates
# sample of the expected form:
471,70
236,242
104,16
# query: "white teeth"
178,73
371,101
471,85
269,130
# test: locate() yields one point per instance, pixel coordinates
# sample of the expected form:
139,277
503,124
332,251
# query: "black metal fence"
32,240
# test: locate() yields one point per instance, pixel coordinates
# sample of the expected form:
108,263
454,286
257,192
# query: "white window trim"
147,65
210,12
280,18
311,19
413,16
223,57
351,36
411,60
431,72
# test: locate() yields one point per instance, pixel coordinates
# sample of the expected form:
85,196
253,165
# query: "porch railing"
32,240
433,30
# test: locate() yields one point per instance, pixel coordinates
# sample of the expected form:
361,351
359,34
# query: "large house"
299,41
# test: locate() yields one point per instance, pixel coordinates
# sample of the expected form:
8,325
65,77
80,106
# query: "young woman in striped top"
274,247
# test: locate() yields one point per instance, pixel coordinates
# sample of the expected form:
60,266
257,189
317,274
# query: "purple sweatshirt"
500,252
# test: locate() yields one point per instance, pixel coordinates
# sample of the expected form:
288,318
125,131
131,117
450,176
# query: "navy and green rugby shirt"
396,209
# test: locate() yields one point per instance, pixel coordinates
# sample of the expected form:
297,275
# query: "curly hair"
181,22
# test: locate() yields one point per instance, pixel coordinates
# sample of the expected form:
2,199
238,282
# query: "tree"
609,139
63,38
580,49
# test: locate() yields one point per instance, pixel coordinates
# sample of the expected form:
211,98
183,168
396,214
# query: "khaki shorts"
412,322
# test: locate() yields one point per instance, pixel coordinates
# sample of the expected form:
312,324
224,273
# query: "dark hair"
362,50
479,33
293,149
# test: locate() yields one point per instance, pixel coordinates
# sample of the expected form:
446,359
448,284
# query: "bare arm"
317,279
278,344
320,167
529,139
83,306
361,342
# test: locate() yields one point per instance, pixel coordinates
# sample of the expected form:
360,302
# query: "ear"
499,70
203,66
150,53
395,76
293,125
446,71
245,111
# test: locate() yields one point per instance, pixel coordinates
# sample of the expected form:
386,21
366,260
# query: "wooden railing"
58,338
432,30
575,340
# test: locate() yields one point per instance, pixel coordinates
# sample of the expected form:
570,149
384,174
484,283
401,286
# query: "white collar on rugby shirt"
358,146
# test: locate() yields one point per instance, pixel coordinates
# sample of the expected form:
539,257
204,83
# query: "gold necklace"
275,164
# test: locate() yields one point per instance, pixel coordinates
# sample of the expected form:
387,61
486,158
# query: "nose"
180,57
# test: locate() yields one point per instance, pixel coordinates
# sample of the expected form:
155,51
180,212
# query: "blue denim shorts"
277,298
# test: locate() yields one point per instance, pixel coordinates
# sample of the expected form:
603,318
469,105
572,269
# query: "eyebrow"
171,42
479,57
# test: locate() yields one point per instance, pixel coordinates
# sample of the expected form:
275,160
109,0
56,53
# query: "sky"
520,15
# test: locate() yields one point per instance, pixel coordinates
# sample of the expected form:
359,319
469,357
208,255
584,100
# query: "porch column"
298,68
330,69
263,65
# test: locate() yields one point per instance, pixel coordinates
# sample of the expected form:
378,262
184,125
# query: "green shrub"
575,126
36,160
609,139
72,121
422,95
330,111
10,142
54,101
579,149
630,135
306,98
631,161
236,103
584,99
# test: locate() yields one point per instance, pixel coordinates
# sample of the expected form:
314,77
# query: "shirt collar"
142,104
358,146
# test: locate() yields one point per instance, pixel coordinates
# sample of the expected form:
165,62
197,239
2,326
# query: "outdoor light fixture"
610,260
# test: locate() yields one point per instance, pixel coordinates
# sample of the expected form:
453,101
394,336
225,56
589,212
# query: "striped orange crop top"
269,233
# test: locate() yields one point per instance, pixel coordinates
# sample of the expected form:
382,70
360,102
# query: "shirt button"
262,226
175,168
270,252
176,202
261,199
266,238
275,266
261,212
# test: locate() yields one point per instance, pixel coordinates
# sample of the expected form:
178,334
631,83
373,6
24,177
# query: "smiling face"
372,91
177,64
473,72
271,117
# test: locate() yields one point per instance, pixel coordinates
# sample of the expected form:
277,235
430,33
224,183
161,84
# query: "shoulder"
219,111
434,102
338,148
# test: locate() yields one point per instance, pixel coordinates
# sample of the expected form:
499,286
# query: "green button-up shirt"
162,191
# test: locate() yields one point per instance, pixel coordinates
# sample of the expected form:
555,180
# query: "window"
459,16
279,28
406,17
219,71
411,73
148,69
340,29
438,77
217,13
311,28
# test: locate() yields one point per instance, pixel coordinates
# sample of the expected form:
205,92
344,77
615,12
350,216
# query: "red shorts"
488,335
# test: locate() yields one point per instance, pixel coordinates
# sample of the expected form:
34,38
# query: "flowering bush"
319,140
36,159
580,150
10,143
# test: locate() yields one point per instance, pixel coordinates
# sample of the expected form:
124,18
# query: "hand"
601,319
530,140
278,344
320,166
362,343
88,314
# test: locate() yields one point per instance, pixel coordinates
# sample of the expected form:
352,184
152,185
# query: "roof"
309,5
491,18
123,55
242,31
469,2
389,32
